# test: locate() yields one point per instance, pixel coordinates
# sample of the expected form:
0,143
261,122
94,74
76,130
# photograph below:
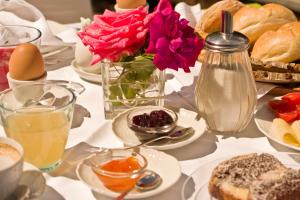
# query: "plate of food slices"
250,176
279,120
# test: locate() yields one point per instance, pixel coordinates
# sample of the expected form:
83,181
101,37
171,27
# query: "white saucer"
186,118
33,179
88,76
165,165
263,119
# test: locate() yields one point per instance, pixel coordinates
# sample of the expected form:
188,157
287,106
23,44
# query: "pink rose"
116,34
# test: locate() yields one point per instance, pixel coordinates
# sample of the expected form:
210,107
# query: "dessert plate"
186,118
263,118
195,186
88,76
165,165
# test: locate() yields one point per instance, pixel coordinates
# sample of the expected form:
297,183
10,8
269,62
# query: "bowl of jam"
152,120
118,169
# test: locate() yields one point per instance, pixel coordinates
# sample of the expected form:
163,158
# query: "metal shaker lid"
226,40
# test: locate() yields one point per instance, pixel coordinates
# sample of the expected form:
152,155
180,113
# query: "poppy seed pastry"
232,178
277,185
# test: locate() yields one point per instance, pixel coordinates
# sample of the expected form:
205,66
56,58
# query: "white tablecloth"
97,131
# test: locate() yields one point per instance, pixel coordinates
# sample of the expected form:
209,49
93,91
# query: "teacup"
11,166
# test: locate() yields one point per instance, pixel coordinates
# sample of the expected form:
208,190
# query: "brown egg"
26,63
130,4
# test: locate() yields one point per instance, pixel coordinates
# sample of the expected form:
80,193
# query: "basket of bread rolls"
274,34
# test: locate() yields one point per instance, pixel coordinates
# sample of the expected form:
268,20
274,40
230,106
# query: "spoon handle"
123,194
149,141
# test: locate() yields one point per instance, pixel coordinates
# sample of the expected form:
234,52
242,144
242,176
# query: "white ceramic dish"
92,77
165,165
195,186
263,118
186,118
34,180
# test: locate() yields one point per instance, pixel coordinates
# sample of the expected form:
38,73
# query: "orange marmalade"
117,182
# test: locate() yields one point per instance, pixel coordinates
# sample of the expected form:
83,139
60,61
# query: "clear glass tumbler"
10,37
40,121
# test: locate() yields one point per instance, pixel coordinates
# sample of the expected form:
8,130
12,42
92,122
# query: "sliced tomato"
292,98
281,106
288,116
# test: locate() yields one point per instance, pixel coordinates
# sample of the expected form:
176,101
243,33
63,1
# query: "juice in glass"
43,134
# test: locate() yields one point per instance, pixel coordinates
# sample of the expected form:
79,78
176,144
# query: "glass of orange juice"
40,121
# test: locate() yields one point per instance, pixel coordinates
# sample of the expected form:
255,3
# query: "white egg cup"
10,176
83,58
25,93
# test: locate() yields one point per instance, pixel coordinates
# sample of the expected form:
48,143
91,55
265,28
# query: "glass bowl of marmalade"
118,169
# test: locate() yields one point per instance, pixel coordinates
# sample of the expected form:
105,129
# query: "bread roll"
211,19
253,22
282,45
231,179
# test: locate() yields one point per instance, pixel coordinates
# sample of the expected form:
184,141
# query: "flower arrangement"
160,36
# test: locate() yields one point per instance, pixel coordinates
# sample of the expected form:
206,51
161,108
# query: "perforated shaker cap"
226,40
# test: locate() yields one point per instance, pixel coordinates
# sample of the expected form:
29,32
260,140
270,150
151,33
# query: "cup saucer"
186,118
165,165
32,184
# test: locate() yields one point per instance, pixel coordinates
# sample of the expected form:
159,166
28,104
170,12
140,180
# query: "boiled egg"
26,63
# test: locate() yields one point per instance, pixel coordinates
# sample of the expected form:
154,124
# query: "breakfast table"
97,131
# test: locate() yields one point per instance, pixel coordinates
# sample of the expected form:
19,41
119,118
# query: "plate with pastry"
279,120
251,176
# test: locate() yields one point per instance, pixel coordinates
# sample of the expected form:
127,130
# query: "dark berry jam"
156,118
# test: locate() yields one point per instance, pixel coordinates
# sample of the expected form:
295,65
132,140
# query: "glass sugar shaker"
225,92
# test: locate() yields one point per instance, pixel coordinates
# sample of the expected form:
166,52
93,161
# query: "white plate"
165,165
195,186
92,77
186,118
33,178
263,119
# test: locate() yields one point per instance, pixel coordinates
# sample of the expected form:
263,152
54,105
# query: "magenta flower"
172,40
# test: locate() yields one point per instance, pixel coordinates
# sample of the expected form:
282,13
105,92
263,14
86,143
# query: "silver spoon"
149,181
47,99
175,135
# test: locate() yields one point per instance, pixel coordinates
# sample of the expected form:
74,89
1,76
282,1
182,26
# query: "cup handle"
75,87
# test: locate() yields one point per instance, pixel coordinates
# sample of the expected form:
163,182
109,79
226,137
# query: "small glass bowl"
117,181
161,130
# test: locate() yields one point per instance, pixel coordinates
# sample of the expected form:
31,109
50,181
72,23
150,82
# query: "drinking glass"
40,121
10,37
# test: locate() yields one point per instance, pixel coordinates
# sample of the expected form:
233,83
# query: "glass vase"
131,84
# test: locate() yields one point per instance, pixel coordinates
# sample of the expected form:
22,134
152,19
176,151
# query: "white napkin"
19,12
191,13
